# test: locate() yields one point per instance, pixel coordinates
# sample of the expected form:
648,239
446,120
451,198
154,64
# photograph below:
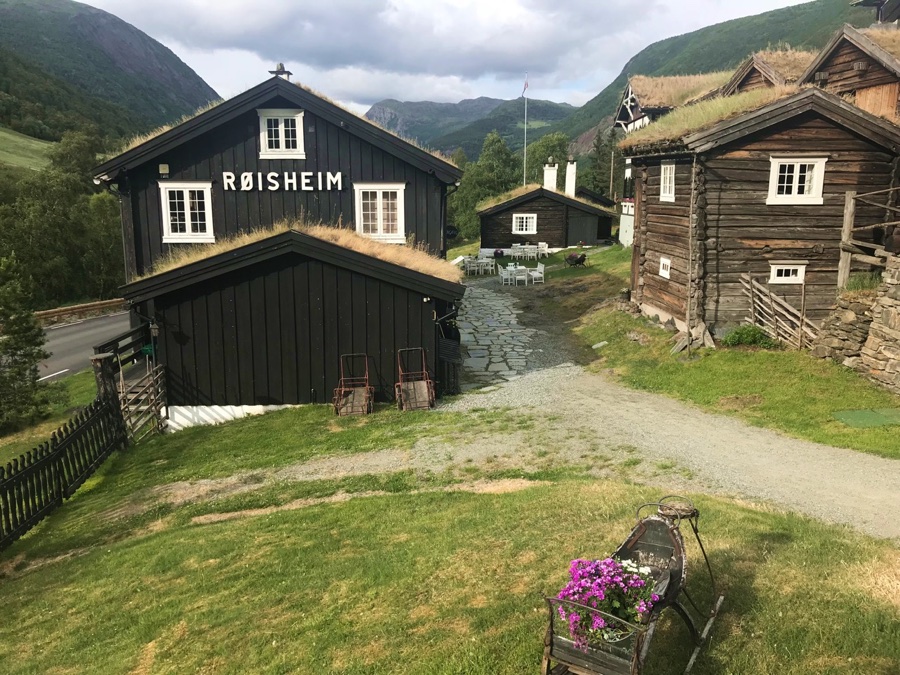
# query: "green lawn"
19,150
409,576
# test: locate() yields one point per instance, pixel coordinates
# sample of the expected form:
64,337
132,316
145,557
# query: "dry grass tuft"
676,90
702,115
531,187
879,578
886,38
404,256
787,62
140,139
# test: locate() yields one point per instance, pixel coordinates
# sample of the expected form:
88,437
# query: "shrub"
750,336
863,281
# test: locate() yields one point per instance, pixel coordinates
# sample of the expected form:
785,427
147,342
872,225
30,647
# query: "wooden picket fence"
777,317
36,484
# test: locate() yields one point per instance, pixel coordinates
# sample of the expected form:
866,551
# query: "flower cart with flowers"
604,619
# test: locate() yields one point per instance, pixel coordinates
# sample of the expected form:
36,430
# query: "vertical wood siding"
744,234
234,146
273,333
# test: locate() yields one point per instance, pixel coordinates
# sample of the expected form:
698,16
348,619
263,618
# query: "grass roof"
140,139
675,90
404,256
886,38
787,62
491,202
671,128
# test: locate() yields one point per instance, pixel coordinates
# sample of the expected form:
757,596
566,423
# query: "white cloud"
360,51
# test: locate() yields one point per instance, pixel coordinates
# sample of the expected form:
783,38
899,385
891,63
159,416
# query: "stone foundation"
845,331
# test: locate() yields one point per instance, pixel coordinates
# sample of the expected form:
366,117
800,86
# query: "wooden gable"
849,68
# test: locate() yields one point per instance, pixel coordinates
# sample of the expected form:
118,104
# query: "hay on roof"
675,90
669,129
789,63
491,202
404,256
886,38
140,139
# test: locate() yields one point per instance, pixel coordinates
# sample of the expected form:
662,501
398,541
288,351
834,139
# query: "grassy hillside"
99,53
721,46
19,150
509,120
425,120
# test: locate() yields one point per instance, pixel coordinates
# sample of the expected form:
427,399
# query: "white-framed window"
667,182
665,267
186,212
787,271
281,134
796,180
524,223
379,211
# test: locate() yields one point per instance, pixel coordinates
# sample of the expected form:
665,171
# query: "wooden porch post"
846,235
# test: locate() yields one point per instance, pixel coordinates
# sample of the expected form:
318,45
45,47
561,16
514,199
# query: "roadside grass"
435,582
72,394
463,247
19,150
785,390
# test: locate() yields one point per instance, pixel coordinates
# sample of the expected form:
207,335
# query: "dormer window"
281,134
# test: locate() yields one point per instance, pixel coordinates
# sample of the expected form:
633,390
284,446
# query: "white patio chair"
531,252
537,274
520,274
507,276
543,249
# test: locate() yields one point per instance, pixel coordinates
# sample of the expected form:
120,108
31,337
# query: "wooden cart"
414,388
354,395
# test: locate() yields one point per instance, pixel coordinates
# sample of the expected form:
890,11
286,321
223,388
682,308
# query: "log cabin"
769,68
532,214
753,183
257,313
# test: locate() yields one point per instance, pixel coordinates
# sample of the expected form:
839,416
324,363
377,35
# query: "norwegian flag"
525,88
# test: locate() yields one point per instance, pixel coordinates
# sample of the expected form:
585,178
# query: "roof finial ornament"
281,71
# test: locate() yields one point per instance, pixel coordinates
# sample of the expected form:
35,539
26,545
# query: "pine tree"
22,339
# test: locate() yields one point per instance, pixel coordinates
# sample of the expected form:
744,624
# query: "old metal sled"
414,389
655,542
353,395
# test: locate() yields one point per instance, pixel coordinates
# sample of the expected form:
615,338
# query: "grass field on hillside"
19,150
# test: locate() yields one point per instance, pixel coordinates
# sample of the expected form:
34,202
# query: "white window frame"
391,238
818,175
665,267
790,266
667,182
188,237
530,220
279,113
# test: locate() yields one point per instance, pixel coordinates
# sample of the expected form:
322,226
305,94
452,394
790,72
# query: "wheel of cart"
414,389
354,395
655,542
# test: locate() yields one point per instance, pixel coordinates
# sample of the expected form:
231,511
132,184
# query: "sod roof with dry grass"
789,63
671,128
675,90
522,190
886,38
404,256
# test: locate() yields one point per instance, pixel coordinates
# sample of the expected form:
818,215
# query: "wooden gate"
144,404
777,317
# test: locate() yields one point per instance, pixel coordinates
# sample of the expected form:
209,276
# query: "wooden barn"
862,65
264,323
769,68
761,193
533,214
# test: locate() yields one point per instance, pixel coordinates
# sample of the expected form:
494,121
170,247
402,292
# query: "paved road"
71,345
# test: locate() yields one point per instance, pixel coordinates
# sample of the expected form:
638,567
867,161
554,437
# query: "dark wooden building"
762,193
276,151
264,324
770,68
594,197
542,215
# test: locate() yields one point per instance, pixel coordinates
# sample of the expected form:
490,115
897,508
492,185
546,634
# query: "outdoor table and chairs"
479,265
513,273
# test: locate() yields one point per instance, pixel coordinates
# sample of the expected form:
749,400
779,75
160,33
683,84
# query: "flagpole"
525,151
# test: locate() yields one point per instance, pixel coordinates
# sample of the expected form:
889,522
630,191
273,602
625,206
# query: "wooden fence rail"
34,485
144,404
777,317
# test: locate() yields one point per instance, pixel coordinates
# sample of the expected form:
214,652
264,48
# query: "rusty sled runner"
655,542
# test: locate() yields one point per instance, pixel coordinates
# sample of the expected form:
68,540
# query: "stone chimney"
550,175
570,177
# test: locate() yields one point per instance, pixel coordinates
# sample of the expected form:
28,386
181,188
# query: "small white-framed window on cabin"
796,180
186,212
281,134
379,211
524,223
787,271
665,267
667,182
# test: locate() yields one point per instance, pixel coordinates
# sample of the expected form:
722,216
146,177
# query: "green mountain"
44,107
103,56
425,120
724,45
508,119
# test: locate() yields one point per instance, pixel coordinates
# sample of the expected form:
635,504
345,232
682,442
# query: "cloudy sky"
361,51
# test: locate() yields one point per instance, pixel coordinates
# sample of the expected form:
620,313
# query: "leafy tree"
495,172
459,158
555,145
22,339
606,146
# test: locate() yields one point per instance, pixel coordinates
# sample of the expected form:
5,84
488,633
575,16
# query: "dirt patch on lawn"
496,487
879,578
737,403
18,566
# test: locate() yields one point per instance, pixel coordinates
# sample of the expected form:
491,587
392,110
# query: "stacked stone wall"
880,355
845,330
